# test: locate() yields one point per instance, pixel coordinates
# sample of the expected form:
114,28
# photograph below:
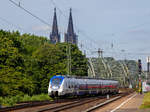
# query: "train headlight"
60,90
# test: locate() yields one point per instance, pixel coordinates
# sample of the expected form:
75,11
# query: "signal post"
140,79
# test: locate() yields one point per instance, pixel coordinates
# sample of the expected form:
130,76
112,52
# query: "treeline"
27,62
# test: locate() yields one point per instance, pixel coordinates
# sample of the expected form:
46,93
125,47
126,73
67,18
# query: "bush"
40,97
8,101
26,98
146,101
145,105
11,101
17,98
1,100
43,97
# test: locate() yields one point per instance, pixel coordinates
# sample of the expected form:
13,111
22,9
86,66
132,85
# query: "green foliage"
11,101
146,101
78,60
52,59
8,101
27,62
40,97
1,100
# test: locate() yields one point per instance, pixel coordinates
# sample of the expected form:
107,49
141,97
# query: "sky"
121,28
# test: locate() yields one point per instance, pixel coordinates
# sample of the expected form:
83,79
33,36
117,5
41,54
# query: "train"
60,85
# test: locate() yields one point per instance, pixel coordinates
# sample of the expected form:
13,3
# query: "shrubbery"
146,101
10,101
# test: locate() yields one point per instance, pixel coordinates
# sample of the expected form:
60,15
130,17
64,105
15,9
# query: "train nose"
55,93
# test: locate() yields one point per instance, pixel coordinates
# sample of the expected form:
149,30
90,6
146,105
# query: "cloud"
41,28
139,31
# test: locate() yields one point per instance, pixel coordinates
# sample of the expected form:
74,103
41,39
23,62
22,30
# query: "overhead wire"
80,31
58,8
129,53
10,23
44,22
27,11
33,15
95,42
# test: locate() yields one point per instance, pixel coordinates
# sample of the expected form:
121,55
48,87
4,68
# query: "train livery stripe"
93,87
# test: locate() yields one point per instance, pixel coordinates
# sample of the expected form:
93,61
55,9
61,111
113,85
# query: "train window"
67,84
75,86
56,81
72,85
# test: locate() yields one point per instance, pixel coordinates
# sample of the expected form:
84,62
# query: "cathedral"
69,37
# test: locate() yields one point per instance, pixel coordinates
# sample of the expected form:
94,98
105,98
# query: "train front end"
55,86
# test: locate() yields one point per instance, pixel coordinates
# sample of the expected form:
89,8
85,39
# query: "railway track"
61,104
29,104
32,104
70,106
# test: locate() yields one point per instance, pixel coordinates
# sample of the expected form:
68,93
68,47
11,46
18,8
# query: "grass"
11,101
146,101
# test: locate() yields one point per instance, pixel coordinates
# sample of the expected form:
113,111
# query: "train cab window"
56,81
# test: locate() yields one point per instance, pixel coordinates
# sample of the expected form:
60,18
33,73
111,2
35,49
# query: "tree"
27,62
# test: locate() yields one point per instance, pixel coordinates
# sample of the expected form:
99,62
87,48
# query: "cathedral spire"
55,27
55,36
70,36
70,29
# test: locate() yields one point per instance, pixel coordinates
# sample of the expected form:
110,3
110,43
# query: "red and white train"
67,85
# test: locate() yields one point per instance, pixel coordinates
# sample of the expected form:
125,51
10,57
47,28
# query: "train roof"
57,76
81,77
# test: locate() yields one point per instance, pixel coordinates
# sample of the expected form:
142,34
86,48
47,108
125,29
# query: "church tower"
70,36
54,35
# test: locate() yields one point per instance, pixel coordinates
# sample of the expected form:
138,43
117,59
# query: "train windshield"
56,81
